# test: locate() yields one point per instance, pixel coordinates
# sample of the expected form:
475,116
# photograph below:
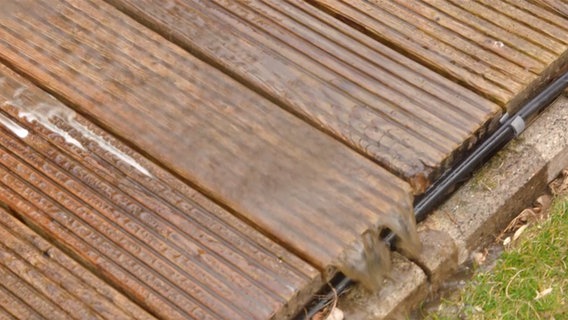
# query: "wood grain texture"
40,281
397,112
559,6
306,190
502,50
139,228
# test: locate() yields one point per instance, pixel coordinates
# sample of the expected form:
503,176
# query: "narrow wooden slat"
25,292
142,230
560,6
14,306
501,50
529,18
72,276
372,98
539,11
5,314
65,286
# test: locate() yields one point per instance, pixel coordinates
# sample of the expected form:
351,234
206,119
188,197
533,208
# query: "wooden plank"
38,280
142,230
288,179
560,6
389,108
539,11
500,50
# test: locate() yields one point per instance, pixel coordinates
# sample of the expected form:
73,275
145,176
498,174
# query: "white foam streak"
14,127
46,115
110,148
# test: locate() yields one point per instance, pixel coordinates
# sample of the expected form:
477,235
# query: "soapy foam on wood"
46,115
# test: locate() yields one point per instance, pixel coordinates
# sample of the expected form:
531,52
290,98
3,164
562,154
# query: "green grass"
538,261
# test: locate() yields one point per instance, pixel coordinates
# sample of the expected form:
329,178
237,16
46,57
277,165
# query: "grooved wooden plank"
136,226
560,6
389,108
5,314
290,180
503,50
538,11
309,191
38,280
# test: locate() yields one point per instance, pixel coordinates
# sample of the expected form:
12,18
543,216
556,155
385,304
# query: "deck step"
136,226
506,51
400,114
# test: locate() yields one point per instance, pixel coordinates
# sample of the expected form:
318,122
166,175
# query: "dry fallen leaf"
330,308
480,257
528,216
336,314
543,203
320,315
519,232
543,293
560,185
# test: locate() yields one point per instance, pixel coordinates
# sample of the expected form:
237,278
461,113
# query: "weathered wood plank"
14,310
133,224
391,109
38,280
290,180
499,49
560,6
539,11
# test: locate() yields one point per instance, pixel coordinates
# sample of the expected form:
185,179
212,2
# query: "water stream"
369,261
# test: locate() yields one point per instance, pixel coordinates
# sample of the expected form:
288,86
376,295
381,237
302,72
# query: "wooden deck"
221,159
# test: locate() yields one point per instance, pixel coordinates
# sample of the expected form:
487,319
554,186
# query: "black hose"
509,129
342,284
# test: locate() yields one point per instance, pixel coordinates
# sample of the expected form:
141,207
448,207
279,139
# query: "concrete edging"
471,217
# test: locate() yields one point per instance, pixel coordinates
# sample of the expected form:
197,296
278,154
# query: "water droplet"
498,44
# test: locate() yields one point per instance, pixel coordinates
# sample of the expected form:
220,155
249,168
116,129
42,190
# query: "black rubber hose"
509,129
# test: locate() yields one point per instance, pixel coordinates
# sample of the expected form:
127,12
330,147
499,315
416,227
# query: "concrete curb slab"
439,256
506,184
472,216
408,286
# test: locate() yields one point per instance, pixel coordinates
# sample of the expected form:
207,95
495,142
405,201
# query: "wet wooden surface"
137,227
296,184
505,51
41,281
405,117
287,178
558,6
218,159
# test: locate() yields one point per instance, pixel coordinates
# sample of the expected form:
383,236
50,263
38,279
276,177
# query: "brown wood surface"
114,194
306,190
389,108
503,50
559,6
137,227
40,281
